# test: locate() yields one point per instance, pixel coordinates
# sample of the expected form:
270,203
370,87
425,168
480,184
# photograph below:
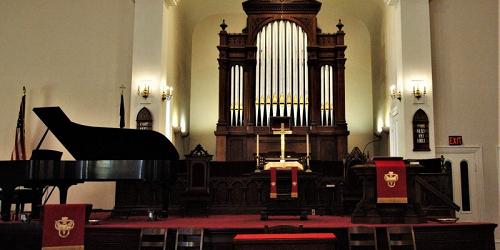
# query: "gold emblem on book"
391,178
64,226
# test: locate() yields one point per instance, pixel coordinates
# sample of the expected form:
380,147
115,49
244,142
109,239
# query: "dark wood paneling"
436,237
112,239
236,148
450,237
285,244
249,193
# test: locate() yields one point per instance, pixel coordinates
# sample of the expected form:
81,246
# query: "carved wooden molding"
260,6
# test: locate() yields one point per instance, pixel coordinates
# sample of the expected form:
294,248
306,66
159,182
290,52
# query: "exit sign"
455,140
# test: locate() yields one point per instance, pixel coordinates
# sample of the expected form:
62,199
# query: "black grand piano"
134,158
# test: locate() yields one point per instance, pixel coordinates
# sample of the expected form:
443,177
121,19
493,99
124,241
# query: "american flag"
122,113
122,109
19,151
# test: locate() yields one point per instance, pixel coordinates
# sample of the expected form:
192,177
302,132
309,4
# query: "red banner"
274,189
391,181
294,180
295,186
63,226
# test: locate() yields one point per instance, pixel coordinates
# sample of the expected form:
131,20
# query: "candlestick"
257,150
307,153
307,145
257,158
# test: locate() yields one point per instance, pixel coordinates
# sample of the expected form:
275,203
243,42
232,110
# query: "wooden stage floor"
121,233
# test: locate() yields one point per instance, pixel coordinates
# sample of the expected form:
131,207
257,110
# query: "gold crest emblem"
64,226
391,178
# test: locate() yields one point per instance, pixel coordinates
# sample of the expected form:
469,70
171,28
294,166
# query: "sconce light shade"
395,93
167,93
143,88
419,89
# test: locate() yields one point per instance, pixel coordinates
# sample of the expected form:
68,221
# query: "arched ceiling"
367,11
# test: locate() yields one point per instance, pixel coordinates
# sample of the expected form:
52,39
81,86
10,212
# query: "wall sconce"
143,88
419,89
395,93
167,93
180,130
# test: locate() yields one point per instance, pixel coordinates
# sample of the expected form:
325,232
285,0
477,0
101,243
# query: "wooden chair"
189,238
283,229
153,238
362,238
401,238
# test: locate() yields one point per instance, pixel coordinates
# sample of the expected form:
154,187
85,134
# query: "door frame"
477,152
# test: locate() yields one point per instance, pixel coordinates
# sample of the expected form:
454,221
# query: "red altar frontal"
293,181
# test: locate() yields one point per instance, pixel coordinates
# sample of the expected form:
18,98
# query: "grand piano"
129,156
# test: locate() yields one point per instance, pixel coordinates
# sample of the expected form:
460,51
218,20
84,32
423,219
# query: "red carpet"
236,222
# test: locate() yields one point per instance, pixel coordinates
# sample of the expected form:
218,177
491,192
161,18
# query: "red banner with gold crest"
63,226
391,181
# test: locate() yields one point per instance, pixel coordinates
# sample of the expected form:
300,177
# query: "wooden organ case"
281,65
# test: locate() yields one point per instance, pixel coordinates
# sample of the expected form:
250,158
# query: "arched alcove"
420,131
144,119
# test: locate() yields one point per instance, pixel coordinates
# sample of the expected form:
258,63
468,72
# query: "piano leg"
36,203
63,192
8,193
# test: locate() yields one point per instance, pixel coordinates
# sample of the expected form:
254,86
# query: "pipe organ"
281,64
281,82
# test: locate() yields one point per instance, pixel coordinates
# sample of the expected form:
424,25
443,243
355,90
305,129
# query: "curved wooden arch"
252,37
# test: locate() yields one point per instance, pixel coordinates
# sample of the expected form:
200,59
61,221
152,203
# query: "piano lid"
98,143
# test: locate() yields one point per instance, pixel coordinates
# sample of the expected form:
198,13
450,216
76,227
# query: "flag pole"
122,108
19,151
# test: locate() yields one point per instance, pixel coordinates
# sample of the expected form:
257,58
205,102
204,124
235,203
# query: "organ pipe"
326,107
281,73
236,106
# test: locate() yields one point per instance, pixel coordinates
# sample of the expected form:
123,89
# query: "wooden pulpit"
368,210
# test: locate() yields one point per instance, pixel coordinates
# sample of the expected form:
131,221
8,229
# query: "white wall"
498,142
464,36
205,77
178,74
73,54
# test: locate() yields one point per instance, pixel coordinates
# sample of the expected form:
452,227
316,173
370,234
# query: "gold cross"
282,132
